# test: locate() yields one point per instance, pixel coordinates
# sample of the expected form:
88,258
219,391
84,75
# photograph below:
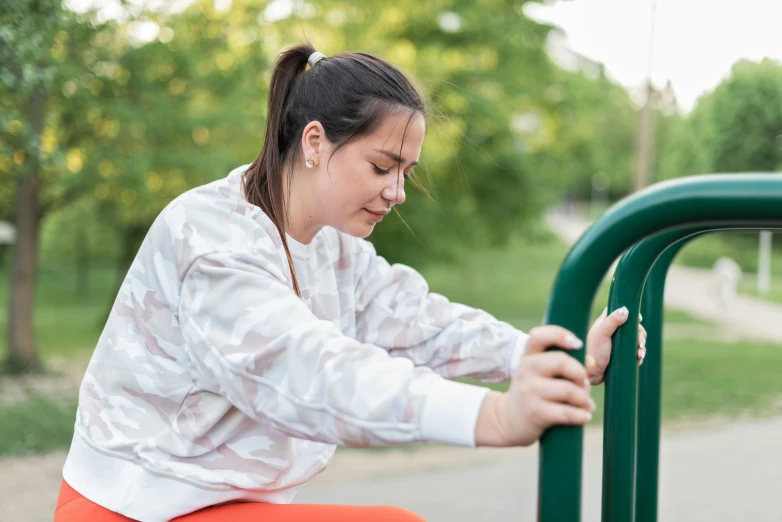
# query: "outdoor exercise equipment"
649,227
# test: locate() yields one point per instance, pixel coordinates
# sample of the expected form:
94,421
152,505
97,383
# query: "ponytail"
263,181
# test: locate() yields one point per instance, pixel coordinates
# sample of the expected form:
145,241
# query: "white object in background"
727,275
599,202
7,233
764,263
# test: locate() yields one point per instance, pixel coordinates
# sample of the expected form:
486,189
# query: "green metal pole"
632,406
706,200
650,388
622,414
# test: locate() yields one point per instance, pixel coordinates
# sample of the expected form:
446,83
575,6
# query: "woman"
256,329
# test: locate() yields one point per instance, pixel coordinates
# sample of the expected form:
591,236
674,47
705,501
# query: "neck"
302,223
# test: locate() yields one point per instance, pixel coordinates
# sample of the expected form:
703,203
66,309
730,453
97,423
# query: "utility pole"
644,151
764,263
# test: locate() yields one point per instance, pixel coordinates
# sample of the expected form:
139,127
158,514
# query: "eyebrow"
396,157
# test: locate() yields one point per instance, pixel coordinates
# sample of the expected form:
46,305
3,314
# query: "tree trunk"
22,355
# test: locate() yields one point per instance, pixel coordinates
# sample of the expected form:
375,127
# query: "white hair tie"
315,58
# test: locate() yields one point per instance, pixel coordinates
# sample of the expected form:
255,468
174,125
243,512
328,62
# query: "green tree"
48,86
28,69
735,128
187,108
592,124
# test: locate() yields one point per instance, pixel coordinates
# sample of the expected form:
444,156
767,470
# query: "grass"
749,286
38,425
512,283
66,323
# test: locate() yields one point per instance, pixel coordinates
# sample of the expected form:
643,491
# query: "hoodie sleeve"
396,311
252,340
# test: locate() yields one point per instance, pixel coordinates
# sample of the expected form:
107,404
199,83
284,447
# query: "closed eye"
380,171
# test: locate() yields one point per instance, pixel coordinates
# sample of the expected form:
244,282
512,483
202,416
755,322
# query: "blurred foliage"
142,106
735,128
132,123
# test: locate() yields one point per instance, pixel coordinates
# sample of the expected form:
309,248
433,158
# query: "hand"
599,343
548,388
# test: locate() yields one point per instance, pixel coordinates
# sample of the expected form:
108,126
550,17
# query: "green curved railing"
700,203
631,439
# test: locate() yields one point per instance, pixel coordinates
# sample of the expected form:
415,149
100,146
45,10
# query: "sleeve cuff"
451,412
517,354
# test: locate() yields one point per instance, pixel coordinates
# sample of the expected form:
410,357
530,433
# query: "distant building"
663,98
561,54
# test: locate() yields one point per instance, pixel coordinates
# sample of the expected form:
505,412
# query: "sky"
695,41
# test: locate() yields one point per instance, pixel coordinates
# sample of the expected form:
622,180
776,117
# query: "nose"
394,192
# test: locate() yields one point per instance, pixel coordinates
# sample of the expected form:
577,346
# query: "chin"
358,230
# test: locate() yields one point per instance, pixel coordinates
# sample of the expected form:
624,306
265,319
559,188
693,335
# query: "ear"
313,139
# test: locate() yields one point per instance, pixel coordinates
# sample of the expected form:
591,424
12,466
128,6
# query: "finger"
558,364
559,390
556,414
543,337
590,363
606,328
641,355
642,338
641,332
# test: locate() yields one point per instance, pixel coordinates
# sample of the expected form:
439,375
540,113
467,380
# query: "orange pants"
72,507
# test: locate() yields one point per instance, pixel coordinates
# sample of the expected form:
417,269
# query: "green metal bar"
706,200
622,415
632,405
650,388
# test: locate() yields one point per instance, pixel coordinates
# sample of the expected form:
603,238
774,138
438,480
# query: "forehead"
398,130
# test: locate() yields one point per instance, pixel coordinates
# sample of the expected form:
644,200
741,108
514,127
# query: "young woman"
256,330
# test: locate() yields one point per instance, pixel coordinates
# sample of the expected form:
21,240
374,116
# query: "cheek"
355,190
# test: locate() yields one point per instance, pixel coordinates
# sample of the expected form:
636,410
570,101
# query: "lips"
376,216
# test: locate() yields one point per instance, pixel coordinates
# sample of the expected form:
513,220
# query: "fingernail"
587,383
643,344
640,317
589,417
592,405
590,361
623,311
573,342
643,354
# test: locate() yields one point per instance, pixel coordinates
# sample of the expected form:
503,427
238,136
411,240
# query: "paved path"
723,473
719,472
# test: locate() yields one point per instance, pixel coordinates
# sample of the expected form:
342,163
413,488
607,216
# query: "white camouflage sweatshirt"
213,381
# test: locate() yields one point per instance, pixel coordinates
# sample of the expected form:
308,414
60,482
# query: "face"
358,185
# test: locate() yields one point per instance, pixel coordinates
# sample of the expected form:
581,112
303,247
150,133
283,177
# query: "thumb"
614,320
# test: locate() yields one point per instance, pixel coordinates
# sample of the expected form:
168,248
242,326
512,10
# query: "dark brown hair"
350,94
